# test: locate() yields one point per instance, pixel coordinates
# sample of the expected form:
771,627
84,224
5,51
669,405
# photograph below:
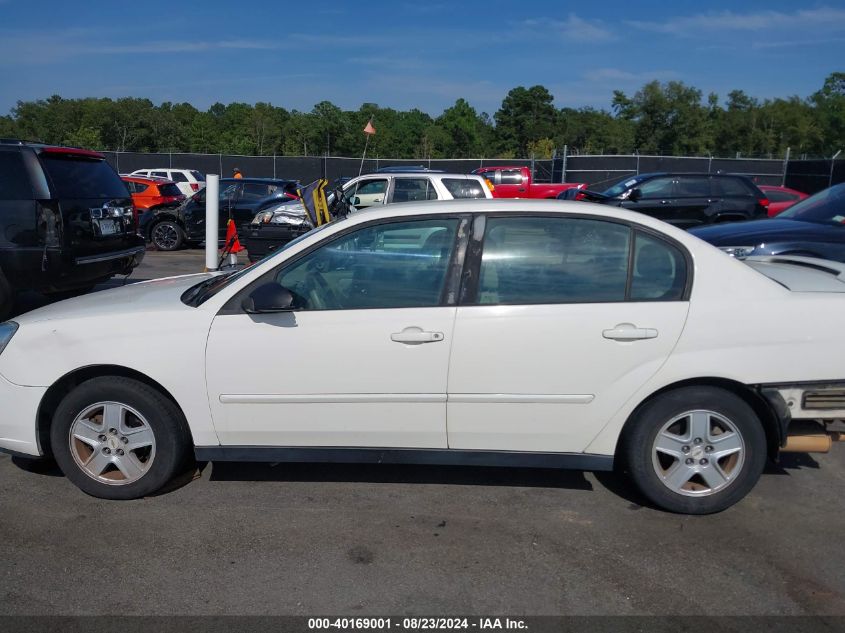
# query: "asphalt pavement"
306,539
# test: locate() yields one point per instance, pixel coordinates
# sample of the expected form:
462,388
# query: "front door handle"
416,336
376,200
629,332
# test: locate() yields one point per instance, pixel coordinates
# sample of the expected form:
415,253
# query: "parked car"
189,181
685,200
66,221
814,227
275,227
240,199
153,193
517,182
780,198
550,334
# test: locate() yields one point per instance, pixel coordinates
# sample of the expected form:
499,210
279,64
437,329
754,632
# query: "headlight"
7,331
291,220
262,218
738,251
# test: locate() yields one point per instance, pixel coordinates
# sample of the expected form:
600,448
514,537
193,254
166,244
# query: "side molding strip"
428,456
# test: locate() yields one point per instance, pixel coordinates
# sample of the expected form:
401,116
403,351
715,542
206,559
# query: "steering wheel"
320,294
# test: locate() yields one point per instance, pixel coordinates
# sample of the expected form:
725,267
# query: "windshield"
619,188
204,290
825,207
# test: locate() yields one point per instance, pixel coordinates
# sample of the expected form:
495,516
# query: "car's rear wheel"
118,438
695,450
167,235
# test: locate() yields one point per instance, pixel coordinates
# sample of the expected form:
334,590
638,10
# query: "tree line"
669,118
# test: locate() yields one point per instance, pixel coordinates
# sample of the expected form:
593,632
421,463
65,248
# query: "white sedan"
483,332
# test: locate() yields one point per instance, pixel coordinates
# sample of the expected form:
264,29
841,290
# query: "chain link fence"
598,171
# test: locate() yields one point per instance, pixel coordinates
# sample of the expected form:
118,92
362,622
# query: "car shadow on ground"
397,473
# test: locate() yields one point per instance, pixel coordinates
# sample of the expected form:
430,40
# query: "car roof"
260,181
155,180
522,206
494,167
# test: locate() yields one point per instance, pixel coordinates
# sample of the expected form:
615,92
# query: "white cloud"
824,18
573,28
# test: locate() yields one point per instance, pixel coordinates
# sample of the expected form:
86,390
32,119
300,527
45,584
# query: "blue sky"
423,54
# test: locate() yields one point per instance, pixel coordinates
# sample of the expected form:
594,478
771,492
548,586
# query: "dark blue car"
814,227
240,199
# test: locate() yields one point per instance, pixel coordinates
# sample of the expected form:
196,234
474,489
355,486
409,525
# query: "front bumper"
18,424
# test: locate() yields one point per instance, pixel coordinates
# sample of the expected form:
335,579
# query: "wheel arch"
761,407
64,385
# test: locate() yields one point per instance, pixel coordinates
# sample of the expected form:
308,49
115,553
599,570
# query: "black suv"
240,199
66,221
685,200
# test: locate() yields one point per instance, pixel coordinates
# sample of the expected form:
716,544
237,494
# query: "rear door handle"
629,332
416,336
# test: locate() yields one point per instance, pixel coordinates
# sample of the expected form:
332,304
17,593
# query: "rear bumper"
18,424
57,269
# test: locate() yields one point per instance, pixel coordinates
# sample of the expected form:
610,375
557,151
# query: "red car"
516,182
152,193
780,198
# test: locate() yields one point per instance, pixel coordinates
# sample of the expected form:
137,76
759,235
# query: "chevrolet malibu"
478,332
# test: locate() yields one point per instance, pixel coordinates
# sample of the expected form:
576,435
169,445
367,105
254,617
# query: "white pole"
212,210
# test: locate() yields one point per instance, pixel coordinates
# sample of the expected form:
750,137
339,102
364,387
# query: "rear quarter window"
463,188
732,187
14,180
178,176
169,190
83,178
197,176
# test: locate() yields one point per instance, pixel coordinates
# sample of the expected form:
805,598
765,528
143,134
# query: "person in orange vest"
237,173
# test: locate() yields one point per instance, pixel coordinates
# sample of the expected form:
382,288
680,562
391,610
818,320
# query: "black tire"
7,297
697,495
161,415
167,235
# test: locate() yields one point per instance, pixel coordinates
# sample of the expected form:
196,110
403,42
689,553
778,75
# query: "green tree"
526,115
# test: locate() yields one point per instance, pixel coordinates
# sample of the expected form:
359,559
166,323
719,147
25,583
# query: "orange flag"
369,129
232,241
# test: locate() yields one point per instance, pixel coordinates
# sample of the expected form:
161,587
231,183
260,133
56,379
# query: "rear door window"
545,260
413,190
14,181
82,178
692,187
160,174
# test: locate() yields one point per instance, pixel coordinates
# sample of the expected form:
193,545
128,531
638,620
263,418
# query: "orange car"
152,193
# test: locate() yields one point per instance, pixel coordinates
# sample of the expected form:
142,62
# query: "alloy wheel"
698,453
112,443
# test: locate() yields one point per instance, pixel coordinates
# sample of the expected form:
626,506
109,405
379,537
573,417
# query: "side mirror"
268,298
355,201
635,194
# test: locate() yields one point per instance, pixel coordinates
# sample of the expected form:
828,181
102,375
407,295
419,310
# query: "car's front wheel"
695,450
167,236
118,438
